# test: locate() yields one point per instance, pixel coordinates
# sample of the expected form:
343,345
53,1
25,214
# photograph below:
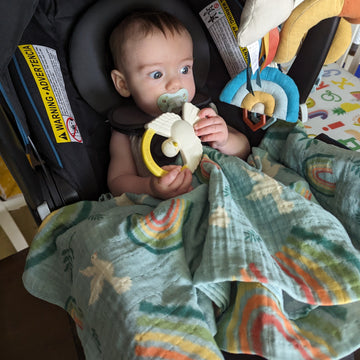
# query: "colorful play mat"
334,107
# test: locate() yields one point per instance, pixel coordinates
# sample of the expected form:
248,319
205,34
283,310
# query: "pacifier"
173,102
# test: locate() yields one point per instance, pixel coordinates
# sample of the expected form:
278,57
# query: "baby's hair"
142,24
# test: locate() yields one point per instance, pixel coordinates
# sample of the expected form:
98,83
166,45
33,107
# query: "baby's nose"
173,84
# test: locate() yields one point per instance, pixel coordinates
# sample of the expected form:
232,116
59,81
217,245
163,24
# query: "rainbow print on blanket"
262,257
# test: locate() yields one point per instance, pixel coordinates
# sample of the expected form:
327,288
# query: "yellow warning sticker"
45,69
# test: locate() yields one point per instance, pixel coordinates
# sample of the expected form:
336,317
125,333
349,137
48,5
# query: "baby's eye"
185,70
156,74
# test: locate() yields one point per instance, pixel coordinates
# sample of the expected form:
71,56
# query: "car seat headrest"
89,52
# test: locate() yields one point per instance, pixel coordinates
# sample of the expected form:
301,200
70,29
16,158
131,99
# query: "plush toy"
276,97
180,136
265,95
308,14
272,94
258,17
351,11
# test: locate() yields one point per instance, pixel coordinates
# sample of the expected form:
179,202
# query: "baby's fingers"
182,183
171,175
206,112
210,128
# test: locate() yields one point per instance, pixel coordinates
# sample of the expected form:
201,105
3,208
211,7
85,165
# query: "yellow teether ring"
150,163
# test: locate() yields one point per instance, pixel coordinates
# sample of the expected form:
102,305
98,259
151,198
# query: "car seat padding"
89,52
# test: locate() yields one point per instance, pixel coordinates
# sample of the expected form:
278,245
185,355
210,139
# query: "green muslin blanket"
262,257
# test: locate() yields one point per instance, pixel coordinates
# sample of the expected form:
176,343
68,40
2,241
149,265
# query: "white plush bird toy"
180,136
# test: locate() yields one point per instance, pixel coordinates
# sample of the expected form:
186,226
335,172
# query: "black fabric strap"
130,120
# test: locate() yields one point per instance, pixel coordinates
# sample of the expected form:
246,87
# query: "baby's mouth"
173,102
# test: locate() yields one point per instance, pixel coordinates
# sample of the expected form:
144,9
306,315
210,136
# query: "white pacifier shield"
173,102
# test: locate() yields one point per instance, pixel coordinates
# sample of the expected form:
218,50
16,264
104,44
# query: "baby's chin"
154,113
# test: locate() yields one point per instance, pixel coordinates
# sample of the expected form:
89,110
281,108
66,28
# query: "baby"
153,58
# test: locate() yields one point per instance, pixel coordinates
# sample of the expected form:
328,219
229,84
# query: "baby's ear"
119,81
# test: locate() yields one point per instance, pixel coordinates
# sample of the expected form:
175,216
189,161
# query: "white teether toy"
181,137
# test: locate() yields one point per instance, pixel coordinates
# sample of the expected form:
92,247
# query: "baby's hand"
176,182
211,128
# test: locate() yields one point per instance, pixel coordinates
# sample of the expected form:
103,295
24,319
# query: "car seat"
61,173
54,168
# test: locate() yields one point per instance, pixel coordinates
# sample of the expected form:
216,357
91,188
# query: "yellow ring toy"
149,161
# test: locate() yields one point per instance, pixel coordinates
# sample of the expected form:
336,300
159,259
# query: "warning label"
45,68
222,26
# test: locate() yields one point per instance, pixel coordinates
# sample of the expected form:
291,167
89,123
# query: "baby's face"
157,65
